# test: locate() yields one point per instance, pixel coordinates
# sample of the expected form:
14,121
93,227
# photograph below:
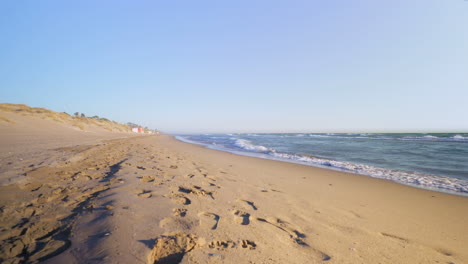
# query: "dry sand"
153,199
30,137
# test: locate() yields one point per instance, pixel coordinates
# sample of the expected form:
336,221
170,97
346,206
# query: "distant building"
138,130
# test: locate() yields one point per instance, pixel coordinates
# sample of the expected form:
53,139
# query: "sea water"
432,160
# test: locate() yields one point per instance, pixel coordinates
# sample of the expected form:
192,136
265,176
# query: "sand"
29,139
112,198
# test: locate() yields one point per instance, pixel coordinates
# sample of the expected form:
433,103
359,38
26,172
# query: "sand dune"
153,199
37,137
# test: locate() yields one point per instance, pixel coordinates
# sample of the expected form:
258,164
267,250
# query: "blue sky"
242,66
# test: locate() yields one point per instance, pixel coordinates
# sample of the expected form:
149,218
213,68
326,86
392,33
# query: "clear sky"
242,66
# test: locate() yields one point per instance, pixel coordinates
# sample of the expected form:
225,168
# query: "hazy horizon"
243,66
326,132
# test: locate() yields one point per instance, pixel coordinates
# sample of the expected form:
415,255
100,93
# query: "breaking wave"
235,144
247,145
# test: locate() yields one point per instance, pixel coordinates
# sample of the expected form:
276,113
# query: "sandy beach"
234,132
72,196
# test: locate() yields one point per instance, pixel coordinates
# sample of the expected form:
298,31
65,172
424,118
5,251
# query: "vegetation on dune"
78,120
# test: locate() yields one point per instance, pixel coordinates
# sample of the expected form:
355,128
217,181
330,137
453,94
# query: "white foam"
458,137
411,178
351,136
417,179
319,136
247,145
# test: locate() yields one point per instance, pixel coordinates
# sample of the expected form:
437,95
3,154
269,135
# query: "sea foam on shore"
430,161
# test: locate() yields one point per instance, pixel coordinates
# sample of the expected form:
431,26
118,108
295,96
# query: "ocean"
435,161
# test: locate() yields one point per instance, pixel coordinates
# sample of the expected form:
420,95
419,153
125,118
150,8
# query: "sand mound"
30,137
81,123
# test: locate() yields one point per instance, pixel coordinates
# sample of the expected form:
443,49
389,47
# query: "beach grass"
82,123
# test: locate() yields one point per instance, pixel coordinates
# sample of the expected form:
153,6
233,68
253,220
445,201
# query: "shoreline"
393,196
459,183
151,198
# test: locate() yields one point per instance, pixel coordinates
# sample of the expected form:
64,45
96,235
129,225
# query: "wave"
418,179
353,136
442,138
456,138
247,145
406,177
459,137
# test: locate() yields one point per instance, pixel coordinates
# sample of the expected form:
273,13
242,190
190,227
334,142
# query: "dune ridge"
82,123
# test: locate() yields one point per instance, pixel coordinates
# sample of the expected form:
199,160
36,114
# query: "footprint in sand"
208,220
180,199
144,194
179,212
171,248
147,178
240,217
219,245
196,190
210,184
226,244
247,204
295,235
248,244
